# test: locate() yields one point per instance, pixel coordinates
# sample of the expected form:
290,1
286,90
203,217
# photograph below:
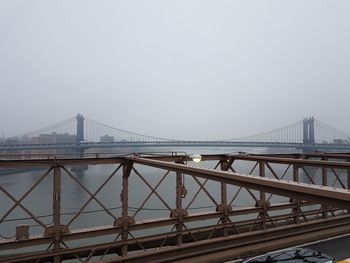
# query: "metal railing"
151,206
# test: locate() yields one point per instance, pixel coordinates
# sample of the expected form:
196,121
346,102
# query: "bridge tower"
80,128
305,131
309,130
80,149
312,130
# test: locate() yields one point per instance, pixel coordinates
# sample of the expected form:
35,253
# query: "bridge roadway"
338,248
172,144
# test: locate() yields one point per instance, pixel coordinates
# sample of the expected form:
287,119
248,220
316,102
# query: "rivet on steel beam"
221,208
183,191
22,232
124,221
224,165
178,214
262,204
53,230
181,161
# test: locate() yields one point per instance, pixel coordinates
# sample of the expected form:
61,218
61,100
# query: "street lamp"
196,157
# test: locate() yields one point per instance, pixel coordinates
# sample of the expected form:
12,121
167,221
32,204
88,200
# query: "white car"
293,255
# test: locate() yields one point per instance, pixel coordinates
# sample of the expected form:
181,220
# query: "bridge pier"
79,153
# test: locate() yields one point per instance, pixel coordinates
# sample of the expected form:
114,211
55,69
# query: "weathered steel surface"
268,226
232,246
319,194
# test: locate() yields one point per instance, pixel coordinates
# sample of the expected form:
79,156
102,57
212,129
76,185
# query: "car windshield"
292,256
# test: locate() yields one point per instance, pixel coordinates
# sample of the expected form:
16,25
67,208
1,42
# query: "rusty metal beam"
38,163
220,249
303,162
237,243
102,159
140,225
192,241
317,194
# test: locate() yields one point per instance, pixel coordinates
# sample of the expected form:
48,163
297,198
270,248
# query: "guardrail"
151,206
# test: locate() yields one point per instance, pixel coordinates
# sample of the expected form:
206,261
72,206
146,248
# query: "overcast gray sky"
175,69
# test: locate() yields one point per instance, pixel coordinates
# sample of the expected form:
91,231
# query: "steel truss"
316,208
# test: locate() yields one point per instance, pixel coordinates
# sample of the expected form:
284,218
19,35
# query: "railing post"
296,209
225,219
125,220
324,183
224,198
262,203
57,210
262,174
56,230
223,207
179,225
179,213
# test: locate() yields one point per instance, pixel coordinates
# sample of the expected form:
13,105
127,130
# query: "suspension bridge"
81,133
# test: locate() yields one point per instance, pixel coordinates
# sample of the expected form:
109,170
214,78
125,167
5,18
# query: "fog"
174,69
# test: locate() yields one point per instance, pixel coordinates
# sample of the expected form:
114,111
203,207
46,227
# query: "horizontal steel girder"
334,197
227,248
231,247
287,159
148,224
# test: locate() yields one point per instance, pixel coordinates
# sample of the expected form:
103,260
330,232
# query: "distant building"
107,138
341,141
338,141
12,141
25,139
53,138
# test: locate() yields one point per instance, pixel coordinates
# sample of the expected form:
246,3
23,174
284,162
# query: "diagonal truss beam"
93,196
25,195
339,198
151,188
150,194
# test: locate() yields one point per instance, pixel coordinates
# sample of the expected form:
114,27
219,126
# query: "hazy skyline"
174,69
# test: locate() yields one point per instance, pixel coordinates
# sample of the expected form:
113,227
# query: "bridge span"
78,147
225,207
80,134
